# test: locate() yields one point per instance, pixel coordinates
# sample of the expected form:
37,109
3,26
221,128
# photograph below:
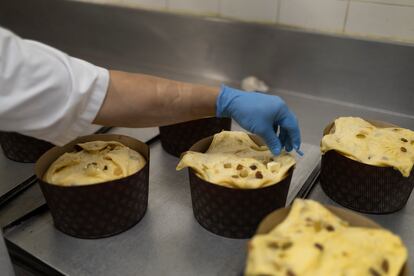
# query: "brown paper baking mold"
22,148
98,210
361,187
178,138
233,213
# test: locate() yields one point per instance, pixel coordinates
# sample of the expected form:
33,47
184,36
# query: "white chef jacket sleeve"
45,93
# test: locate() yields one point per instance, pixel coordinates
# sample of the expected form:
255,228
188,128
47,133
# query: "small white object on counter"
252,83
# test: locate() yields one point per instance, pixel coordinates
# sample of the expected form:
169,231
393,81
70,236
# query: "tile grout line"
346,16
217,15
384,3
219,9
278,7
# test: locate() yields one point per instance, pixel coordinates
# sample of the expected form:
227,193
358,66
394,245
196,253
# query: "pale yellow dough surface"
314,242
234,160
363,142
97,162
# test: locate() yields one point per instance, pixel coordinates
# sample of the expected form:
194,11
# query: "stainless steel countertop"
401,222
5,263
168,241
13,173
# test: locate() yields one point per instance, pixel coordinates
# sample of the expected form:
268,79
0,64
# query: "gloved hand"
262,115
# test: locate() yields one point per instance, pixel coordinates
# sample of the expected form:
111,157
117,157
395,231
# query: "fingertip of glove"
276,150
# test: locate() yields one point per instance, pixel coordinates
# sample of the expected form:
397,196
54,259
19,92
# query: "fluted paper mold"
22,148
229,212
97,210
362,187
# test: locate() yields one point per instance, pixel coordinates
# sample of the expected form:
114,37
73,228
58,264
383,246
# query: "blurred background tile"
249,10
373,19
209,7
391,2
327,15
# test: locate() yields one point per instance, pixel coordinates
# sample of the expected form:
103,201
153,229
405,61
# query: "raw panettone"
313,241
360,140
235,160
96,162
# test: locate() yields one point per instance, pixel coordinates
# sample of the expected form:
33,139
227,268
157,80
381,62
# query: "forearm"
138,100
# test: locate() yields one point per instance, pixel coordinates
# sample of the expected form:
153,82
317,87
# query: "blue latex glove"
263,115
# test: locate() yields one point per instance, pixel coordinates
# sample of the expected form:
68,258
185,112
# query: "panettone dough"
234,160
314,242
363,142
96,162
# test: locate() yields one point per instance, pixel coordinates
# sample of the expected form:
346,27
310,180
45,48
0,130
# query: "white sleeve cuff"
82,125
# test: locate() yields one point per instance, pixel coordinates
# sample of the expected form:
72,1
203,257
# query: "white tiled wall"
384,19
392,2
152,3
391,21
209,7
250,10
325,15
